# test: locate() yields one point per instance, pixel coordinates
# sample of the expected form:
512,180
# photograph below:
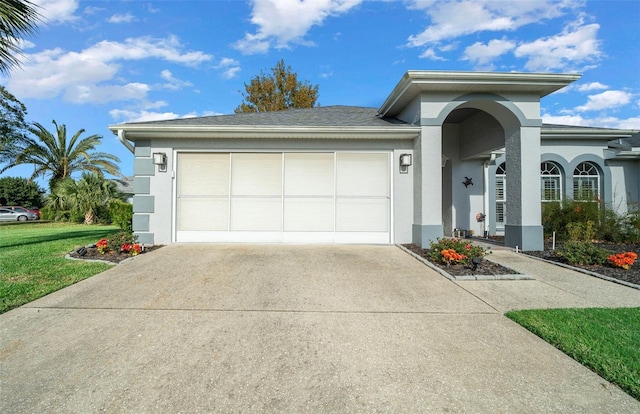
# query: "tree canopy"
13,127
277,91
57,156
18,19
19,191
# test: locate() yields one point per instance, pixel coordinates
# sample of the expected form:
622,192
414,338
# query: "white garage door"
341,197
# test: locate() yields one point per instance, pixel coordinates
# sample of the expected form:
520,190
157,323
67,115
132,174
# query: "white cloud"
285,22
125,115
230,67
122,18
576,46
57,11
481,54
452,19
593,86
605,100
602,122
47,74
173,82
431,54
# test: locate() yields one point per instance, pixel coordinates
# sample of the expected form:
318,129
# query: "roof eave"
415,82
134,132
586,133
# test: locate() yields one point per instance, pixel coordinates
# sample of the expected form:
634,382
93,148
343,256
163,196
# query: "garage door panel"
256,214
309,214
256,174
206,214
362,214
203,174
362,174
309,174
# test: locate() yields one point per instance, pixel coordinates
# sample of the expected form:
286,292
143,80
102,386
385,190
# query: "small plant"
134,249
581,231
452,251
623,260
102,245
583,253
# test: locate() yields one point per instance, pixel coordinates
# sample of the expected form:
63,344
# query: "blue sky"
96,63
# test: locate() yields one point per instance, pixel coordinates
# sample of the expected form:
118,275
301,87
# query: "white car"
12,215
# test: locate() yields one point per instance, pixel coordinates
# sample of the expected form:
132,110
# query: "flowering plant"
102,246
451,256
623,260
134,249
453,251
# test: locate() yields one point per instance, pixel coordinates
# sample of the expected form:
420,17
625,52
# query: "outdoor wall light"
160,159
405,163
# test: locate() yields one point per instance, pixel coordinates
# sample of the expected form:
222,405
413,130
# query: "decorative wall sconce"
160,159
405,163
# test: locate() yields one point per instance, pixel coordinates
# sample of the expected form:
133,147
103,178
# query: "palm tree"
86,195
18,19
55,155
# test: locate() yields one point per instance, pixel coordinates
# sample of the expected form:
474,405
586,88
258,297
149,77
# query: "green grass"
32,259
605,340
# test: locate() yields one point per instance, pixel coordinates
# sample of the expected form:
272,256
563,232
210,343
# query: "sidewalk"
554,287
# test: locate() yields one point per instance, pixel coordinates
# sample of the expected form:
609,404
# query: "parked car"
21,209
15,215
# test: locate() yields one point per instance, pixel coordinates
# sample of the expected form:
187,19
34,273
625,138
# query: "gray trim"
141,222
527,238
143,203
145,238
143,166
143,148
142,185
488,97
425,233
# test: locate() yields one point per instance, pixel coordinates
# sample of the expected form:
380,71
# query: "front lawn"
33,264
605,340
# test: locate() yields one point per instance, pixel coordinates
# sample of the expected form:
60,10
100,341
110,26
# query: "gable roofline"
415,82
331,122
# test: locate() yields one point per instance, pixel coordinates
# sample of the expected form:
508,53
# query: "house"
445,152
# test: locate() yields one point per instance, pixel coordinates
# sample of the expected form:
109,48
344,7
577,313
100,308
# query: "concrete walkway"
278,328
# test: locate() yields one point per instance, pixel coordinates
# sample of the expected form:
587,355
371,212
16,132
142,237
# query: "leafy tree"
18,19
59,157
13,127
277,91
18,191
85,196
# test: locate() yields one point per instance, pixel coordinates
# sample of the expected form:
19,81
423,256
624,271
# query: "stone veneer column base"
527,238
425,233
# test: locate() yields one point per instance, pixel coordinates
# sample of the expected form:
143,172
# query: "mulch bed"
632,275
111,256
485,268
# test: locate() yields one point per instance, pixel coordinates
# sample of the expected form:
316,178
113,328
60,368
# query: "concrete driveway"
277,328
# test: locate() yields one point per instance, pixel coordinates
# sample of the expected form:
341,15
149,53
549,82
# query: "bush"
116,240
450,251
582,253
121,214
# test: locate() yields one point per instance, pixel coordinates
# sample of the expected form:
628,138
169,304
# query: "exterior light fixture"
405,163
160,159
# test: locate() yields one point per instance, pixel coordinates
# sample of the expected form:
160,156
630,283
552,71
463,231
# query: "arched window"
550,182
586,182
501,194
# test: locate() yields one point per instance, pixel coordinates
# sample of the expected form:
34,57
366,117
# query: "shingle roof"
329,116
